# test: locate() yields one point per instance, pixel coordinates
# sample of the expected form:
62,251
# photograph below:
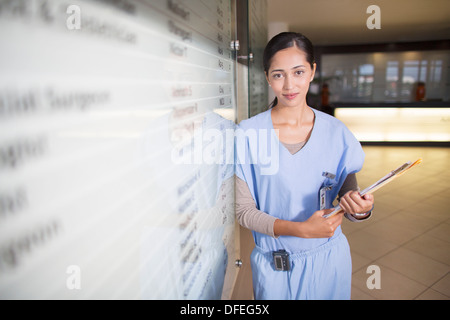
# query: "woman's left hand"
352,202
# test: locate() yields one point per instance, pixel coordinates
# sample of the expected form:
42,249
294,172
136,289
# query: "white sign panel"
116,148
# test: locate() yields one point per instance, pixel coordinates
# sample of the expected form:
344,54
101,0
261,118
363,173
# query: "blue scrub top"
287,185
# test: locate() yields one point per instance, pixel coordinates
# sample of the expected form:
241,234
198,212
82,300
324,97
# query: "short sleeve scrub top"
287,186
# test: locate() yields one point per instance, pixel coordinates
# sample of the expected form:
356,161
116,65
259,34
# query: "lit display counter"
397,122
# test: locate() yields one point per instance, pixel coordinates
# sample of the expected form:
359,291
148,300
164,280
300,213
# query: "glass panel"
257,84
386,77
391,91
116,149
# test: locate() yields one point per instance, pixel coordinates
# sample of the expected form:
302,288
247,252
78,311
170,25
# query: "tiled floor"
408,236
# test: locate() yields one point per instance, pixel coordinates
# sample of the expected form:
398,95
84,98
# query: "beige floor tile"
438,204
442,232
368,245
408,220
431,294
438,198
358,294
443,285
425,210
392,232
415,266
394,285
390,202
437,183
359,262
431,247
348,226
383,210
433,185
410,196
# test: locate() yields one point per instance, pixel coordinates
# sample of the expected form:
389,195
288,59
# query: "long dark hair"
286,40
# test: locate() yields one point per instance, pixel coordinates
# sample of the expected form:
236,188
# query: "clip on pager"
281,260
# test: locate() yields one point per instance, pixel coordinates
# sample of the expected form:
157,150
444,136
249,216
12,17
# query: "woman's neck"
294,116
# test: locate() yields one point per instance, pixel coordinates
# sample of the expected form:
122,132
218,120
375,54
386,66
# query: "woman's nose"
287,83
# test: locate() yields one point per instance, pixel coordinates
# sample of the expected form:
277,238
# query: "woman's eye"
277,75
299,72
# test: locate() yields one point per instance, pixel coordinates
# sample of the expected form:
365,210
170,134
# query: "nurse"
292,161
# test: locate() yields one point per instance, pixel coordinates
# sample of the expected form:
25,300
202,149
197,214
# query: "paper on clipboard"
380,183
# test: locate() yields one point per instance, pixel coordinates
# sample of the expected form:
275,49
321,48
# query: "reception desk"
417,122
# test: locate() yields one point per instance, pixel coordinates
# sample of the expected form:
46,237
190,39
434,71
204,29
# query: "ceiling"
341,22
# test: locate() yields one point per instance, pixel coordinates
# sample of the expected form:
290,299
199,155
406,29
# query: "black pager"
281,260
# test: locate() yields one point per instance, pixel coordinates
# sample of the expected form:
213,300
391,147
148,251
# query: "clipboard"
381,183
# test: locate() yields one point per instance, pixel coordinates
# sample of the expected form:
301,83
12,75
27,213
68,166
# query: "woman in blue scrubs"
292,161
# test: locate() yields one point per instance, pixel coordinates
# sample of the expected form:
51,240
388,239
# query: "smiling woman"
317,159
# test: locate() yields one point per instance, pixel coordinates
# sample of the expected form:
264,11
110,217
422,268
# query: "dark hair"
283,41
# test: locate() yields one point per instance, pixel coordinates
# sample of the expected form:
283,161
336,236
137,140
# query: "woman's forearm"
286,228
315,227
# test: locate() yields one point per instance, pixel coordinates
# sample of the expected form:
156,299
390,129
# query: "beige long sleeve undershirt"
251,218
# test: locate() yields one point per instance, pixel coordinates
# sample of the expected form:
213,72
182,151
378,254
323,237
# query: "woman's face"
289,76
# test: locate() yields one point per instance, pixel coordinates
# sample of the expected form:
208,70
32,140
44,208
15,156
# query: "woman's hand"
319,227
315,227
352,202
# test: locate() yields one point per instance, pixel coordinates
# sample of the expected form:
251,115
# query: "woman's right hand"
315,227
319,227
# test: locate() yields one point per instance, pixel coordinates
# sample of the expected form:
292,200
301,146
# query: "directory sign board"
116,148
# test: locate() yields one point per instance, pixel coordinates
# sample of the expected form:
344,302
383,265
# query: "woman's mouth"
290,96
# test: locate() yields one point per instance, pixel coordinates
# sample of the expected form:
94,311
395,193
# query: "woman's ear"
267,78
313,72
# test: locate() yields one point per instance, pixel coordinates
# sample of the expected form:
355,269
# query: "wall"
116,149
